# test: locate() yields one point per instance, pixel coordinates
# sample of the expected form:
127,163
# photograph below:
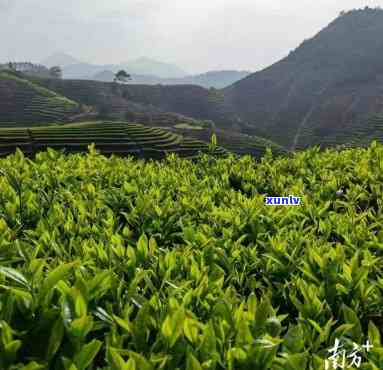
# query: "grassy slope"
25,102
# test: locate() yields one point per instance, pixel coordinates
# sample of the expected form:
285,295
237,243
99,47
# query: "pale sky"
197,35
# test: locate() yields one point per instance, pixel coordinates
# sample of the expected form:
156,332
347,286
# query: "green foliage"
113,263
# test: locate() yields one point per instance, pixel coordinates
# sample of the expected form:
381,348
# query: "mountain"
141,66
323,92
84,71
59,59
215,79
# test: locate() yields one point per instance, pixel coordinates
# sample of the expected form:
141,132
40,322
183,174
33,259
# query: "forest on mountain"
328,86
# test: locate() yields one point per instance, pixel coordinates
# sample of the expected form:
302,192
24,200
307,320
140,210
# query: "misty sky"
198,35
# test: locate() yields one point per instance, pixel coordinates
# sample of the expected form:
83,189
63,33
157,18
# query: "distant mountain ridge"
144,66
143,71
215,79
59,59
140,66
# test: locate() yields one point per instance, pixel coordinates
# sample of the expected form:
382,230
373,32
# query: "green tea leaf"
55,339
16,276
115,361
88,352
59,273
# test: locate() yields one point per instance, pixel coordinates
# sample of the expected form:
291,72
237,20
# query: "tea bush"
116,263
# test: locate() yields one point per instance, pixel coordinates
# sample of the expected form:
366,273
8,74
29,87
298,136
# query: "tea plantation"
24,102
109,137
363,133
118,263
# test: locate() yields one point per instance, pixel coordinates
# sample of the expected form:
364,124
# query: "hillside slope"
153,106
170,107
330,85
24,102
233,141
116,100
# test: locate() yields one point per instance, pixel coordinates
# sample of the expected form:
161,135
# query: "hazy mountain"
84,71
108,76
146,66
141,66
216,79
324,91
59,59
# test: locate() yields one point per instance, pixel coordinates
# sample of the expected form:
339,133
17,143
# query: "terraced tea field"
24,102
361,135
234,142
109,138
